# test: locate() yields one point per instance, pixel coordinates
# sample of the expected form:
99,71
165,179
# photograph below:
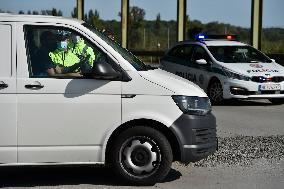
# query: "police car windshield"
238,54
127,55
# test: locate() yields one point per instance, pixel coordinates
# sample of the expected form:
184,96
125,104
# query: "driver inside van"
67,59
44,65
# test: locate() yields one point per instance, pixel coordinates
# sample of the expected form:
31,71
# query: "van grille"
205,135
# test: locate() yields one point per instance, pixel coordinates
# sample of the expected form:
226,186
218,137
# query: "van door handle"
30,86
3,85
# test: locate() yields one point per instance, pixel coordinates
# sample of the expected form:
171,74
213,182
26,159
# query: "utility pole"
181,17
124,22
256,23
80,9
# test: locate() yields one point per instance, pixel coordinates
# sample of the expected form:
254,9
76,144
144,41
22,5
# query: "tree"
193,27
35,13
74,13
93,18
136,22
2,11
53,12
158,24
43,12
136,16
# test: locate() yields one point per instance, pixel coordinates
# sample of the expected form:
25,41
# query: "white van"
123,113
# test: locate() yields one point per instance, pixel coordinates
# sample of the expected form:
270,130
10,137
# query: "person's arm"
91,55
51,71
54,70
57,72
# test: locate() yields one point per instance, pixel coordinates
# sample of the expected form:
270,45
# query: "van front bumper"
196,135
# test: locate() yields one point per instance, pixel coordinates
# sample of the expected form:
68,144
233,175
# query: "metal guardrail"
279,58
149,53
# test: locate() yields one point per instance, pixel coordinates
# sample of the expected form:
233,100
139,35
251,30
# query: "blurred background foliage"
159,35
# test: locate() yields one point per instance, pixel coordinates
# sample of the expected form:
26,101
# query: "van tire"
141,155
215,92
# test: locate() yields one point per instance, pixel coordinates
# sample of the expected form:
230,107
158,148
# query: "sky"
235,12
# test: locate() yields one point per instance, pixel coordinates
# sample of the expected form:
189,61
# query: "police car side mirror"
272,60
201,61
104,71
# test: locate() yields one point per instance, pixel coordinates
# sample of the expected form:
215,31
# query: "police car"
226,69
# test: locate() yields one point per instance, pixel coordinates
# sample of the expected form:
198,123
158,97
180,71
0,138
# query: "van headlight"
193,104
234,75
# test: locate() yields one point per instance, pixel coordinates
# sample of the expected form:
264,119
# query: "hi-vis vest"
64,58
81,49
71,56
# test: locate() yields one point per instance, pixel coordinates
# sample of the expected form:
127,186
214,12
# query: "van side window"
5,52
59,52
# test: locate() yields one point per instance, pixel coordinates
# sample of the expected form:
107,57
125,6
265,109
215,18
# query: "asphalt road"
235,120
249,118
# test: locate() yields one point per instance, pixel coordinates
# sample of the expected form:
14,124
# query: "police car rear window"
238,54
181,51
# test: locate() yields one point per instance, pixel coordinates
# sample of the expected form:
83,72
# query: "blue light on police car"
201,36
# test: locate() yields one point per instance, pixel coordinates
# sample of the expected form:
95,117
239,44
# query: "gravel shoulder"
245,150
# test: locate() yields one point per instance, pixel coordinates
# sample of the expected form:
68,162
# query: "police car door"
61,119
201,66
177,61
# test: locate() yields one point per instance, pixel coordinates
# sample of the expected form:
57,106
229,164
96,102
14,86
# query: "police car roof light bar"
200,37
229,37
222,37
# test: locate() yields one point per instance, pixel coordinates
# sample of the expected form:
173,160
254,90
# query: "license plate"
269,87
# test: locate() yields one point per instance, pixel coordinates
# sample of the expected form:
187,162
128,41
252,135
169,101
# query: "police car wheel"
215,92
141,155
276,100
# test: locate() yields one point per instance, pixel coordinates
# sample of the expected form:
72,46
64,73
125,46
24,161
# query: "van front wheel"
141,155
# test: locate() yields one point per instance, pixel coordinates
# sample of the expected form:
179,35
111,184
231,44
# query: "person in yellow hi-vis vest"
68,60
78,47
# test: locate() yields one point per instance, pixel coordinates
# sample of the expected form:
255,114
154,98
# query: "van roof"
7,17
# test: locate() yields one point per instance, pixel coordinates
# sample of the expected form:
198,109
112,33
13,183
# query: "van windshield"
238,54
127,55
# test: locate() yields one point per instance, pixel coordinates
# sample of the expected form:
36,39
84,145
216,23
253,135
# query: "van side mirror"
201,61
103,70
